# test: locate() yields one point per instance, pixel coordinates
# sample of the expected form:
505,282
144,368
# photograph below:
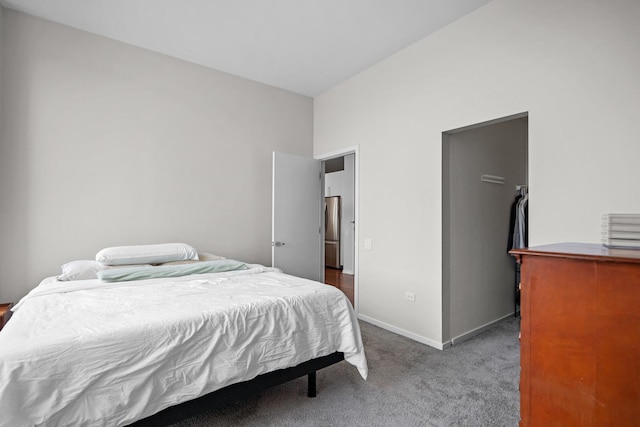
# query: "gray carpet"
474,383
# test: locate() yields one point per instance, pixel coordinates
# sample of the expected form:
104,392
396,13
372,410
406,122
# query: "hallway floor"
344,282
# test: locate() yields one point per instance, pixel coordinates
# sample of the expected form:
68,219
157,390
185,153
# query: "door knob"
277,244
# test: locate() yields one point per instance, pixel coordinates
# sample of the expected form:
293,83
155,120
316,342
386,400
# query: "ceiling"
304,46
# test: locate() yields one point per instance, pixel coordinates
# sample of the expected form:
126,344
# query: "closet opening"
484,167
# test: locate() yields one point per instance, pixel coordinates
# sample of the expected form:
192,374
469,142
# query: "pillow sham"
124,274
84,269
146,254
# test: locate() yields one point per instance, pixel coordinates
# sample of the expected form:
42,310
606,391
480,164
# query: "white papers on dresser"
621,231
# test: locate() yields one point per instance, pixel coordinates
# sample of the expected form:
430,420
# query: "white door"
296,219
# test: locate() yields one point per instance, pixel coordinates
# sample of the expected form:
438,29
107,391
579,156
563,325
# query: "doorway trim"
356,214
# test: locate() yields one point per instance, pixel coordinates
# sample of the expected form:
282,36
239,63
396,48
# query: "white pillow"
81,270
146,254
84,269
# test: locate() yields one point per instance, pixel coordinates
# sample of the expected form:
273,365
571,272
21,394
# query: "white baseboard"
400,331
476,331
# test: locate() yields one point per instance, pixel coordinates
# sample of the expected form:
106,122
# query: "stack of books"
621,231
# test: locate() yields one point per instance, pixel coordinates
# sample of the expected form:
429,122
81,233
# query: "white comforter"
105,354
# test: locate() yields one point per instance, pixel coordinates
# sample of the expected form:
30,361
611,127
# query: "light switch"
367,244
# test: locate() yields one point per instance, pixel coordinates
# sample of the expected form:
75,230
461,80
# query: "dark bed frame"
243,390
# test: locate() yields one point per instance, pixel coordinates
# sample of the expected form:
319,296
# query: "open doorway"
484,166
340,223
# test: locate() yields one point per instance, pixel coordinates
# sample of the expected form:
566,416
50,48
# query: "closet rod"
493,179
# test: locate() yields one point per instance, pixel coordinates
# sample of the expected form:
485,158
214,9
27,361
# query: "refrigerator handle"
326,216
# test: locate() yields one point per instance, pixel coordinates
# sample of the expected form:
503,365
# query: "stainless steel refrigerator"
332,231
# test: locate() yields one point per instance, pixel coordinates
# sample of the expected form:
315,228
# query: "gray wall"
482,274
572,64
107,144
1,13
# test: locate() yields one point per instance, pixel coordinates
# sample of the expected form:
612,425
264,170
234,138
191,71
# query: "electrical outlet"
410,296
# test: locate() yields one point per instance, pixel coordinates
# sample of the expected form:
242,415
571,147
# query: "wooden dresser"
580,336
5,313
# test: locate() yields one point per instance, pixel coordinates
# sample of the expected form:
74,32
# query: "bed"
138,340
